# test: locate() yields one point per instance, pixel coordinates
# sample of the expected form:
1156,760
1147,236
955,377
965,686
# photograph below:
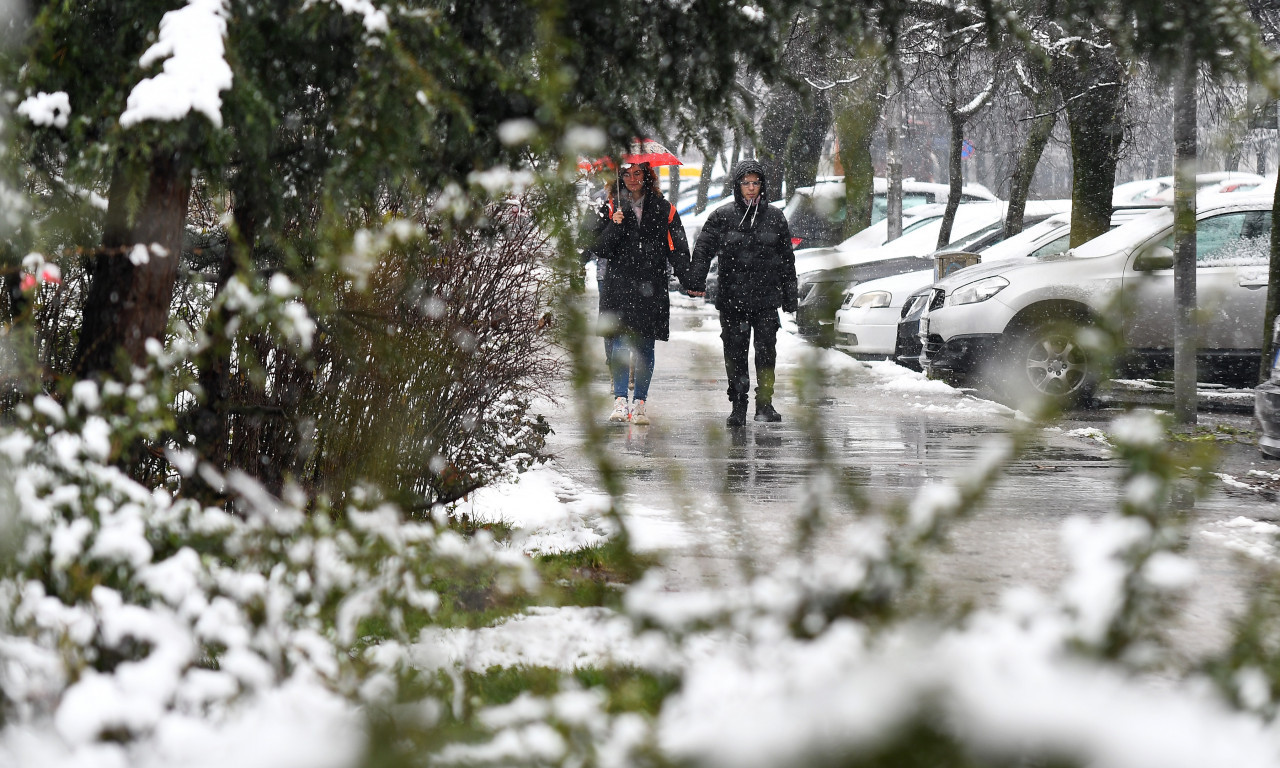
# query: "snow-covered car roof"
833,186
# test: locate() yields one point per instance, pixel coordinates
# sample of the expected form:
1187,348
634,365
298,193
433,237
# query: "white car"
817,213
1159,191
822,277
1017,324
874,236
866,323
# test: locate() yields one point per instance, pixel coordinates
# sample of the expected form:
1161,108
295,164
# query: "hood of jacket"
742,169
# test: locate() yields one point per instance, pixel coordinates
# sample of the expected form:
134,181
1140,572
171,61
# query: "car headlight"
978,290
872,299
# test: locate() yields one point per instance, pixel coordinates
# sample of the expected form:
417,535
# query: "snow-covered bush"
127,612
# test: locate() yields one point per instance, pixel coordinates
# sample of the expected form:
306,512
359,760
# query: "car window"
1052,248
817,220
880,204
1235,239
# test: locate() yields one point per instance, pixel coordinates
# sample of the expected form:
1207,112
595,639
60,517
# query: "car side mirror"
1159,257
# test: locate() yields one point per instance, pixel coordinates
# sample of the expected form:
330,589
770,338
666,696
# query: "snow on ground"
301,724
551,513
564,638
1253,538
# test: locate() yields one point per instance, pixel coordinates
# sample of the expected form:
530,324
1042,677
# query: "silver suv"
1016,325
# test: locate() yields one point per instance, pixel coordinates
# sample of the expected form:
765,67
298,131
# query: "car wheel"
1048,363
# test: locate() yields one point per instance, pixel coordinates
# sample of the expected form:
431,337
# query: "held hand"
696,293
617,217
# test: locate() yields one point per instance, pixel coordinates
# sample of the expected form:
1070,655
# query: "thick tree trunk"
1092,87
855,129
1185,332
133,275
775,132
808,141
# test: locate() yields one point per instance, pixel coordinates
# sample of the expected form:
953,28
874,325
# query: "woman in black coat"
639,234
757,269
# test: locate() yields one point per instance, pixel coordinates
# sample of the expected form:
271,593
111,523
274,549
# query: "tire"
1047,363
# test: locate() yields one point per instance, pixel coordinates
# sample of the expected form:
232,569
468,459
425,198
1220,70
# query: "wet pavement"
735,498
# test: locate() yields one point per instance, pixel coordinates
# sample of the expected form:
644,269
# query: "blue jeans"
624,347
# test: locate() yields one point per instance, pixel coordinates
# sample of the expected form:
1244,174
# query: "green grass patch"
402,736
482,597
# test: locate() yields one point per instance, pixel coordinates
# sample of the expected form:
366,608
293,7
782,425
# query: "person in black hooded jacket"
757,271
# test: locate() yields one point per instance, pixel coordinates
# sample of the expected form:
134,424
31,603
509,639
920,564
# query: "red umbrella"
651,152
640,151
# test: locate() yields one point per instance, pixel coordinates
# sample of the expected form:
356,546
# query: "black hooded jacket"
757,267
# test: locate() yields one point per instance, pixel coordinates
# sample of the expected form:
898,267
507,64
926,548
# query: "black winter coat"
757,266
633,298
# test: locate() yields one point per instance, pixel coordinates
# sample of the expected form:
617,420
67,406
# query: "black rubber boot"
739,416
766,412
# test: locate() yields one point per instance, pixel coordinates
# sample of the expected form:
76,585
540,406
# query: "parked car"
817,213
1159,191
977,226
1048,238
1266,403
1017,324
855,248
906,347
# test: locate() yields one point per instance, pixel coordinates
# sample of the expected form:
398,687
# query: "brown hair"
651,185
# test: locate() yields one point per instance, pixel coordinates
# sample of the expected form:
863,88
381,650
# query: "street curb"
1157,394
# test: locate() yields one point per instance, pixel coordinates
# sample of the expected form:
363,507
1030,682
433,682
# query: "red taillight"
796,241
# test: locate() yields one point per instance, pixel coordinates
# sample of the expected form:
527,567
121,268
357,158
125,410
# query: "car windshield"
923,221
883,268
968,241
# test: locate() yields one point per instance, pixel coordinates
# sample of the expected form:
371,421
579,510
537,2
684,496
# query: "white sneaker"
638,416
620,410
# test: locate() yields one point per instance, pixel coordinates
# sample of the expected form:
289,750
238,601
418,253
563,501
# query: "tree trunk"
855,129
775,132
210,419
1185,332
894,140
808,141
1091,85
1043,103
132,280
704,179
1273,292
955,171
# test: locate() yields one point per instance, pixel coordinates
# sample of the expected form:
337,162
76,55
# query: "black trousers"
736,327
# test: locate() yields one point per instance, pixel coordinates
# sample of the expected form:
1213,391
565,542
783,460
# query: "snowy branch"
195,68
979,101
826,85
